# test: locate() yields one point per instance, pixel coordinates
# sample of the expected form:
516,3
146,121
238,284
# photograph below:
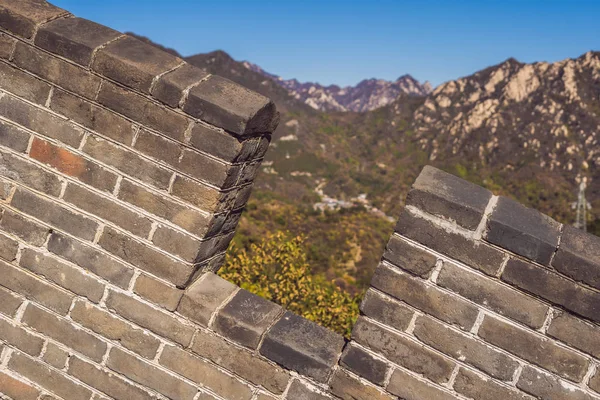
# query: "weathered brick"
264,396
65,275
9,302
409,387
189,219
221,144
365,364
245,318
72,164
449,197
227,105
402,350
170,87
209,170
31,287
109,383
263,146
465,348
108,209
64,331
493,295
145,257
204,296
553,287
74,38
249,173
204,373
110,327
18,337
177,243
408,257
39,120
349,388
523,230
202,196
50,379
475,254
22,17
158,147
242,196
24,228
159,322
578,256
424,296
133,63
127,162
240,361
158,292
534,348
144,111
92,116
8,248
149,375
21,84
576,333
55,70
595,382
91,259
476,386
29,174
7,44
54,214
55,356
302,391
213,246
13,137
6,188
17,389
545,386
303,346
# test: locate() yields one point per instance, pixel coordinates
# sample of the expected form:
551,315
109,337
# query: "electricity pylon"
582,206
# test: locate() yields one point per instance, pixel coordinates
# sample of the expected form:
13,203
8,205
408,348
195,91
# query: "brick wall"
123,172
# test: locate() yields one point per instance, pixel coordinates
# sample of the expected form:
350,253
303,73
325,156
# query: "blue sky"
345,41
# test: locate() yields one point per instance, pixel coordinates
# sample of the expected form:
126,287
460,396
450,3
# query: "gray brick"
523,230
408,257
74,38
9,302
159,147
203,196
534,348
31,287
301,391
493,295
545,386
63,331
178,243
576,333
209,170
402,350
55,356
221,144
578,256
18,337
23,85
64,275
409,387
26,229
8,248
350,388
386,310
365,364
16,388
476,386
424,296
158,292
22,17
303,346
170,87
29,174
13,137
54,214
245,318
203,297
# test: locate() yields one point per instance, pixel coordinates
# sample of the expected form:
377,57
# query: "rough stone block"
55,70
110,327
64,275
303,346
9,302
349,388
222,144
170,87
108,209
209,170
13,137
449,197
25,172
402,350
31,287
475,254
365,364
8,248
478,387
553,287
232,107
133,63
74,38
245,318
409,387
202,372
424,296
91,259
578,256
18,337
63,331
158,292
523,230
24,228
159,322
7,45
92,116
204,296
240,361
54,214
150,376
22,17
202,196
159,147
408,257
534,348
386,310
465,348
55,356
576,333
545,386
493,295
17,389
302,391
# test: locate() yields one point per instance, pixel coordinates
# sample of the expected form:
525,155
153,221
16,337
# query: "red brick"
16,388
